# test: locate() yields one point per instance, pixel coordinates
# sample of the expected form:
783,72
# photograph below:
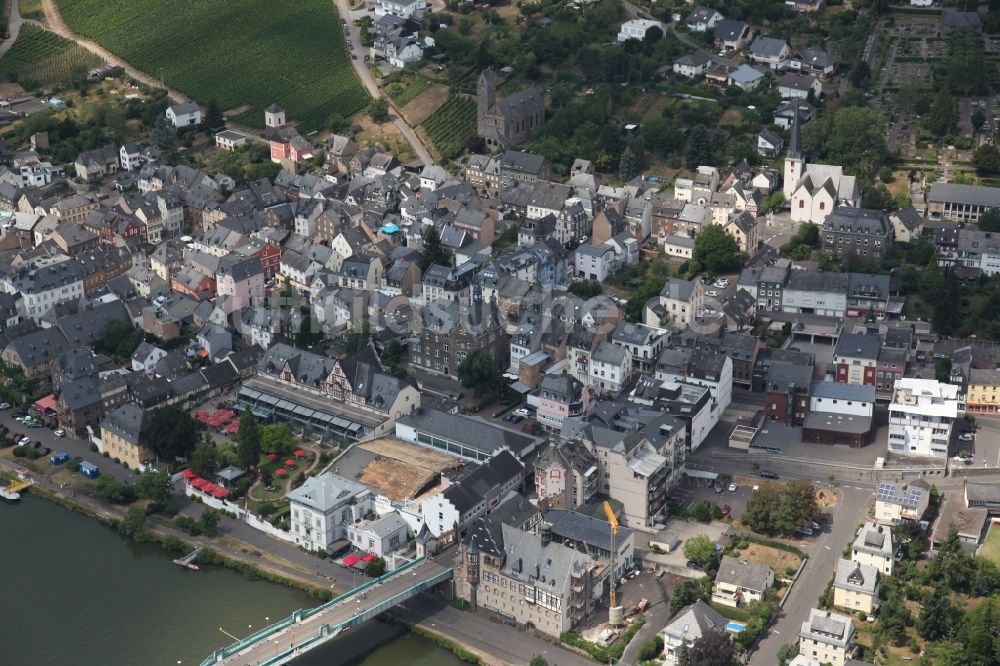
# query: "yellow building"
855,587
121,435
983,393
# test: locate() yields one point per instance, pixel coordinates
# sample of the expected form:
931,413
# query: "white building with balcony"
921,416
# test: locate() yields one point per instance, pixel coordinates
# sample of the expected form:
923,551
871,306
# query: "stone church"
509,121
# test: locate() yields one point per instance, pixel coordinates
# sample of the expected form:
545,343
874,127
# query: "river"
74,593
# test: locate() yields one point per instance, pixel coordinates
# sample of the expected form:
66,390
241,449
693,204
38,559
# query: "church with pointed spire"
814,190
508,121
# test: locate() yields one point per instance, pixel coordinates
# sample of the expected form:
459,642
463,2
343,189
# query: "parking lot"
985,447
693,490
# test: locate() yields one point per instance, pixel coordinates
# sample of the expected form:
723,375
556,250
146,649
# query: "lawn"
778,560
991,546
251,52
40,58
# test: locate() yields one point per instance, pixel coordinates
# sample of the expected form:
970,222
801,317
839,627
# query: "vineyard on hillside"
253,52
41,59
452,125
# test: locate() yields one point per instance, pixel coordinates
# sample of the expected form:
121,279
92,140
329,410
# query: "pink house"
559,397
242,281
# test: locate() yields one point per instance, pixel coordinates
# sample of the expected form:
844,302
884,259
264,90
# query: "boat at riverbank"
9,496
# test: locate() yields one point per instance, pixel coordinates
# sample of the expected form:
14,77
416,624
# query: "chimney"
546,534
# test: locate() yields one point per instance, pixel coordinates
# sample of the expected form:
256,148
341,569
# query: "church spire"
795,142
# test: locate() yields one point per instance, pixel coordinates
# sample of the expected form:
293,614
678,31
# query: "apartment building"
856,586
921,415
325,507
827,637
873,546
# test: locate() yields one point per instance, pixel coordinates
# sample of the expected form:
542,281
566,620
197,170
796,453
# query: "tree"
699,150
164,134
990,220
172,433
715,251
378,110
773,202
538,660
133,525
214,120
786,653
478,371
978,120
986,159
651,649
248,441
860,74
683,655
118,339
358,338
114,491
586,289
205,458
628,165
781,509
209,522
936,615
375,568
944,114
685,594
713,649
310,333
337,123
433,252
699,548
277,438
154,486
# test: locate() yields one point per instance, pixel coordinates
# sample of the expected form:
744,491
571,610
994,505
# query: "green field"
991,546
40,58
237,52
452,124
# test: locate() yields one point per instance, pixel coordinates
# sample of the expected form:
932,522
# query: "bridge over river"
303,630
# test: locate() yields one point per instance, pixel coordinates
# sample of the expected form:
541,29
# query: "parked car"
24,441
722,284
767,474
804,531
732,487
60,433
719,488
694,566
712,292
521,411
4,405
965,437
726,510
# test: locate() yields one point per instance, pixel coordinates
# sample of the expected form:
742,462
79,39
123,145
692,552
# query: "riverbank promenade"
303,630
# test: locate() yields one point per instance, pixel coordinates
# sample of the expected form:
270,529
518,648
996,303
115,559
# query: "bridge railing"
326,632
299,615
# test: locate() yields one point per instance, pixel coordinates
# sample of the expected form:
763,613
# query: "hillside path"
54,22
361,67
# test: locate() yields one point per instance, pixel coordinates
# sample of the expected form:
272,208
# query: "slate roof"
744,574
473,432
767,47
128,422
471,490
326,492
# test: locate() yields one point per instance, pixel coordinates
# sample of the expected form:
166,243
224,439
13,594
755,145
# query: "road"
477,632
14,23
236,538
823,555
361,67
343,611
55,23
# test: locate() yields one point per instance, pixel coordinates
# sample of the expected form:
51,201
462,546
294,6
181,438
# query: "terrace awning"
350,560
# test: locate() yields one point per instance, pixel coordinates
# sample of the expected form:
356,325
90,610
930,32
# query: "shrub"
651,649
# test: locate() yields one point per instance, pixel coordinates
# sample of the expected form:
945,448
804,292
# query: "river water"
73,593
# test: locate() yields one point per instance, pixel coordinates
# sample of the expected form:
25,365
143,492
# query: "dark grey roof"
79,393
489,476
858,345
473,432
767,47
858,221
84,327
40,346
744,574
579,527
783,376
521,161
974,195
128,422
240,269
729,29
818,281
